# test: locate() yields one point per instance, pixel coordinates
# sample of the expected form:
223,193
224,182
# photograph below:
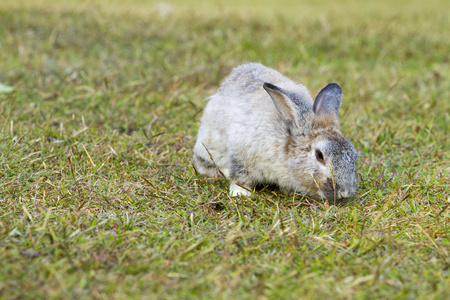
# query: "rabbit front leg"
237,190
240,183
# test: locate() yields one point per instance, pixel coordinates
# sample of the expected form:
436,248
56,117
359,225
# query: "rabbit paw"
236,190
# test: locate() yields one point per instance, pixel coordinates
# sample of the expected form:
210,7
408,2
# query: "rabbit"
260,127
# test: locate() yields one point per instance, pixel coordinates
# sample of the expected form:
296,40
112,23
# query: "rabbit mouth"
327,193
325,189
334,192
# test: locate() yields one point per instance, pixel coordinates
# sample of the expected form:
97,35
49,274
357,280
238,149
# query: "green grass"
98,195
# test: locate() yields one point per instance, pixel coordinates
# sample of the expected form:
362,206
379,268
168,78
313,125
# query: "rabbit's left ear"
293,108
328,101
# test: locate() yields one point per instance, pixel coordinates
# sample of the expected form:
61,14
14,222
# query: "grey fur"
261,127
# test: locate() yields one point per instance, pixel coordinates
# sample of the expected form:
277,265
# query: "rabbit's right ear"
295,111
328,101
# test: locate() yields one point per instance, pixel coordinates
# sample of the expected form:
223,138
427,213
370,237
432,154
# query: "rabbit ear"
328,100
291,106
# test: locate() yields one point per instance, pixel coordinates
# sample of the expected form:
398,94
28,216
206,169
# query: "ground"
98,195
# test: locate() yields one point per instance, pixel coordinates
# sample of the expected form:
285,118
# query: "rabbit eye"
319,156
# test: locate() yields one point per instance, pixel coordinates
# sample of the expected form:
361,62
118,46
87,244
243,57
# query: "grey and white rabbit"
262,128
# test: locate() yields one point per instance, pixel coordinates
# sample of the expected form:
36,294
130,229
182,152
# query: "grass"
98,195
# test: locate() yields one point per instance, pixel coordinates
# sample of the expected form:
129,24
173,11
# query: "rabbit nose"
344,193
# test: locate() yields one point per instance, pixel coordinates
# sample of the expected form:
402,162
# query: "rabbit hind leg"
205,166
240,184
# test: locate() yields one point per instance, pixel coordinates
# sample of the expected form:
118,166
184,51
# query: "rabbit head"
318,156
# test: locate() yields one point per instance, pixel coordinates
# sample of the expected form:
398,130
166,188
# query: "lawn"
98,194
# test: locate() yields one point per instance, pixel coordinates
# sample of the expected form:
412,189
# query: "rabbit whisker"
334,184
